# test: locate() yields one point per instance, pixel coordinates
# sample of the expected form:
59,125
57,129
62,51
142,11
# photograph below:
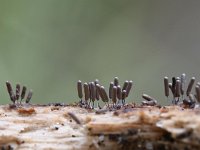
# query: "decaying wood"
71,127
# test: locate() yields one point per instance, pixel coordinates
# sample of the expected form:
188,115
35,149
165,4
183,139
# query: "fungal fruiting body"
117,125
149,101
179,94
95,91
14,97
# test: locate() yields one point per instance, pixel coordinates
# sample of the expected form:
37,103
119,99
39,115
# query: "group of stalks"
17,96
95,91
181,92
116,95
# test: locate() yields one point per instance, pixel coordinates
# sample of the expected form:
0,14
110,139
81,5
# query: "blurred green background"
49,44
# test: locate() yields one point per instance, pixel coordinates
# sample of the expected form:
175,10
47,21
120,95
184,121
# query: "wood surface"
71,127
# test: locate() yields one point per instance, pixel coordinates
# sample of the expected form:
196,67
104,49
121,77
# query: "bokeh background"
49,44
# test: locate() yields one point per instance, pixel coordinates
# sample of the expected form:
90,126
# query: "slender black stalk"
10,92
190,85
29,96
17,91
111,89
114,95
130,83
23,93
86,91
79,89
116,81
166,86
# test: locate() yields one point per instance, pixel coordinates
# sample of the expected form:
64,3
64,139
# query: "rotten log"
60,126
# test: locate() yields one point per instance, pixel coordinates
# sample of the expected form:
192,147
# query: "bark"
71,127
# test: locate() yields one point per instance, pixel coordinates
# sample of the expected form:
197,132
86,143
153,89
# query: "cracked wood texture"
131,127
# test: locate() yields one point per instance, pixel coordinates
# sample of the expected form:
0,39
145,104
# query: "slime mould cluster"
94,91
181,92
19,94
118,125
